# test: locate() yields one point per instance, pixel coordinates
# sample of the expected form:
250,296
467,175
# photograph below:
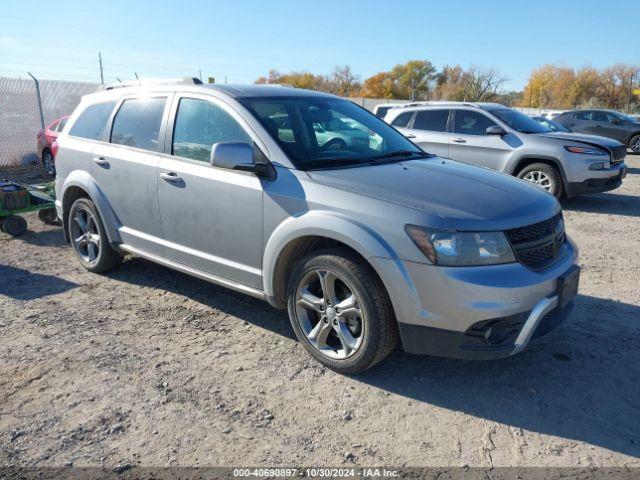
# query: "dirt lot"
146,366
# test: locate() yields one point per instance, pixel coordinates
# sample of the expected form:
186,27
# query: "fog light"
496,333
597,166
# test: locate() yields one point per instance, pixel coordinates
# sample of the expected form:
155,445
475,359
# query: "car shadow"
21,284
148,274
611,203
46,238
580,382
633,171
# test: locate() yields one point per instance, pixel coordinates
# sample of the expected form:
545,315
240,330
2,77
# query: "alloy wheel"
329,314
635,145
85,235
539,178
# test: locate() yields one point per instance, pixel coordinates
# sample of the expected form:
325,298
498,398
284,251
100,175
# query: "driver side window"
468,122
199,124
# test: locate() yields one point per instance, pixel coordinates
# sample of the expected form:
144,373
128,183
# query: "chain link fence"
20,115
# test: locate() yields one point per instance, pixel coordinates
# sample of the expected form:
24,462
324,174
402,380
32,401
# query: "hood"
581,137
464,196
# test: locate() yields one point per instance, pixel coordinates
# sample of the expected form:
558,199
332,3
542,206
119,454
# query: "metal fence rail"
20,116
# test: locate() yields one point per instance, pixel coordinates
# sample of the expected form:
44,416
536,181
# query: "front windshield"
319,132
519,121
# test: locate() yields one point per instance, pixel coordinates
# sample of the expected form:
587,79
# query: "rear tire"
634,144
14,225
89,238
48,161
360,321
544,176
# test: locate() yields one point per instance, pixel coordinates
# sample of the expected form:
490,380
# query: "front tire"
544,176
89,239
634,144
340,311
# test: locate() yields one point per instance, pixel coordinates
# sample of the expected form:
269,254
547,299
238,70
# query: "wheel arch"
297,237
527,160
79,184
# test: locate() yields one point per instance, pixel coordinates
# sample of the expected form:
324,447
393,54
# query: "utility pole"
39,99
101,70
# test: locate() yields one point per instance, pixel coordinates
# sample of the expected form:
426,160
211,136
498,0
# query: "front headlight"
585,150
461,249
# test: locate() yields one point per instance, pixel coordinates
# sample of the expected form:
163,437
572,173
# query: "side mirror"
239,156
495,130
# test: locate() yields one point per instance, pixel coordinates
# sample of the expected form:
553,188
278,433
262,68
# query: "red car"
47,146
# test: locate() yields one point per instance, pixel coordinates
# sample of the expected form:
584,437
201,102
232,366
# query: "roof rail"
438,102
155,81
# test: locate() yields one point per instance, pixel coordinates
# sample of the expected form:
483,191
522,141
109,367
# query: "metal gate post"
39,99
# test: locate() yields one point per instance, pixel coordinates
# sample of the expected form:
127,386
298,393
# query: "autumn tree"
413,79
379,85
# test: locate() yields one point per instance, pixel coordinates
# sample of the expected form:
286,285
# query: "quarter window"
199,124
402,120
431,120
582,115
137,123
469,122
92,122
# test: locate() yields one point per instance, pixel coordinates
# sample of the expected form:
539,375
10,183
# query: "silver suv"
362,242
494,136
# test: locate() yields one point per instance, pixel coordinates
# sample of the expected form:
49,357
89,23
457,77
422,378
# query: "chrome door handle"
459,140
170,177
410,135
101,161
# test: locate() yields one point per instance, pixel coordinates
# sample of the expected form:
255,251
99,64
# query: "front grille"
618,154
539,245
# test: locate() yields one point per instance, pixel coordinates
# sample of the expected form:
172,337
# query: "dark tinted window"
91,123
469,122
432,120
199,124
382,111
402,120
137,123
582,115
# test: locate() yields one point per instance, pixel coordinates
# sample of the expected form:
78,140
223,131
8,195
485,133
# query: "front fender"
361,238
82,179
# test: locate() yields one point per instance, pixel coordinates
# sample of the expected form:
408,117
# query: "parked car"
606,123
381,110
551,125
494,136
46,143
361,244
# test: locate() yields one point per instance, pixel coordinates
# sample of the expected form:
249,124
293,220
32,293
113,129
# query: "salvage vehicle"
361,244
46,140
494,136
607,123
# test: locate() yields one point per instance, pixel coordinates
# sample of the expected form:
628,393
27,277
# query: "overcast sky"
244,39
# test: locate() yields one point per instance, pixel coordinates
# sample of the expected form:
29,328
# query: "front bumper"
604,181
446,311
512,334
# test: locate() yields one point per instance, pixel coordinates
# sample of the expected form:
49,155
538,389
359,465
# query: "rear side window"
199,124
431,120
137,123
582,115
469,122
402,120
92,122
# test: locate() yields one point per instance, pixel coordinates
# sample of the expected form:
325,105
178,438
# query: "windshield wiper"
331,162
399,153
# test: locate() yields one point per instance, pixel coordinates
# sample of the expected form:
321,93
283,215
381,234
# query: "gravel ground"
146,366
